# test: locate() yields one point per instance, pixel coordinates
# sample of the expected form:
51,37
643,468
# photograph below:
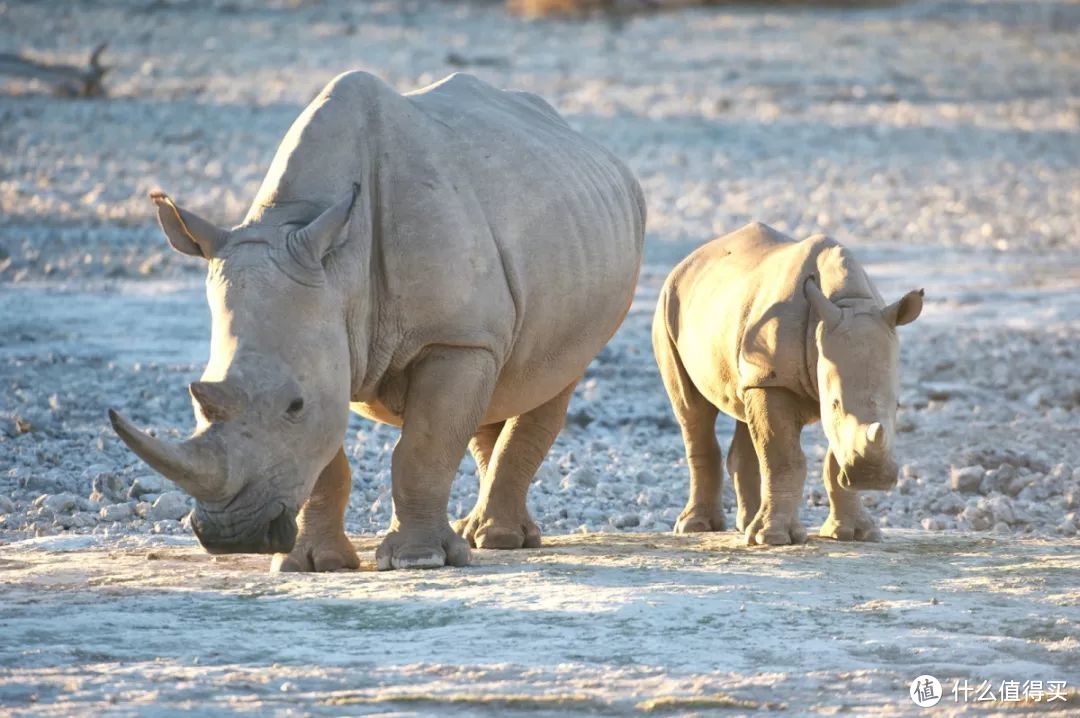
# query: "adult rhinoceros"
449,261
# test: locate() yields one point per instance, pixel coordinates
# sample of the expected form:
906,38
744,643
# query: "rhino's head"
858,384
272,405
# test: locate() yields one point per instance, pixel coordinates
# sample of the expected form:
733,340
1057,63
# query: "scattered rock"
627,520
148,484
108,487
582,477
60,503
116,512
967,479
170,505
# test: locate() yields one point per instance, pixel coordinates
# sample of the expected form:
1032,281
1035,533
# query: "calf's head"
272,405
858,383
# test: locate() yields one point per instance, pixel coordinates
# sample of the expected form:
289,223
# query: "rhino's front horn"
875,434
193,464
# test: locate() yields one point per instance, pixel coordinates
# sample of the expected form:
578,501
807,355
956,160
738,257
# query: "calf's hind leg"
697,418
448,394
848,520
501,518
321,543
745,472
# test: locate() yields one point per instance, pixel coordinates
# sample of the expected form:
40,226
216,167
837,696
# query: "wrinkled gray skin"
779,334
448,261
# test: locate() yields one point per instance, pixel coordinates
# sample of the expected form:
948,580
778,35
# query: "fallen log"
66,80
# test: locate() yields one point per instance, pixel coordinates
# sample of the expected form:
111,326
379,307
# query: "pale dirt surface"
940,139
612,625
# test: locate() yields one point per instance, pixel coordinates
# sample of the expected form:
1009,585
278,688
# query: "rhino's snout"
866,476
274,533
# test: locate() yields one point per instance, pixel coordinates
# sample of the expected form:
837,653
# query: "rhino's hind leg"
697,418
848,520
321,543
775,420
448,393
501,518
745,472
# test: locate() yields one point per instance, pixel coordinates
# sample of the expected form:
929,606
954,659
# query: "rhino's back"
738,315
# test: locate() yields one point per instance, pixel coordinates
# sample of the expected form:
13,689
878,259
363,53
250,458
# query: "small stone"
166,526
116,512
1018,484
1071,498
1002,528
6,505
1002,509
147,484
170,505
626,521
967,479
108,487
580,477
142,509
60,503
77,520
1067,528
932,523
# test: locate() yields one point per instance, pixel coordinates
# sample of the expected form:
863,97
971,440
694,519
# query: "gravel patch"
938,139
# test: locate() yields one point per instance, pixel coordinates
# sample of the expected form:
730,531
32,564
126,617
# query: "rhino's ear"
826,310
310,244
904,311
186,231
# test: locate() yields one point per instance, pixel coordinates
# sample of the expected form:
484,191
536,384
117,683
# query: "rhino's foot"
743,518
774,529
422,548
317,553
694,519
859,528
498,533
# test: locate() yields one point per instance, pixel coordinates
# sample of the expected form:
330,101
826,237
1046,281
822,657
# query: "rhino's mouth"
865,475
270,530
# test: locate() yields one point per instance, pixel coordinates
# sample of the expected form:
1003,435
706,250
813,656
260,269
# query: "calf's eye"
295,406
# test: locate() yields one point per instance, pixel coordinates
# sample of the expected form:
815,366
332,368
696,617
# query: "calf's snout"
274,532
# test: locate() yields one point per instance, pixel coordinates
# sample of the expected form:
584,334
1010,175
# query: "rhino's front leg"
448,394
775,419
321,543
501,518
848,520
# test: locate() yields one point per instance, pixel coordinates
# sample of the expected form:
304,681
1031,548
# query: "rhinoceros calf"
448,261
779,334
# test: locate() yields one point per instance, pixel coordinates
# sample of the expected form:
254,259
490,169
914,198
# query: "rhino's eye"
295,407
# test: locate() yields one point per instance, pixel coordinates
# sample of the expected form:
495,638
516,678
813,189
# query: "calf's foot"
483,528
775,528
697,519
321,552
858,527
422,548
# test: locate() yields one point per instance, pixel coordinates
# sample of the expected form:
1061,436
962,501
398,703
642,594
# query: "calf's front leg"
848,520
448,394
321,543
775,420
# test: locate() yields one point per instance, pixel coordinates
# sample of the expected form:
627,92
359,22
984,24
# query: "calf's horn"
193,465
875,434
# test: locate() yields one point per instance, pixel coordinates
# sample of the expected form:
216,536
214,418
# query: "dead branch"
66,80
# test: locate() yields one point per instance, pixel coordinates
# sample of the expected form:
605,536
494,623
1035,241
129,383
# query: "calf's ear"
826,310
186,231
906,310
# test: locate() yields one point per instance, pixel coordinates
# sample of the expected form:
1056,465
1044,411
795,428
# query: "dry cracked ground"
940,139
